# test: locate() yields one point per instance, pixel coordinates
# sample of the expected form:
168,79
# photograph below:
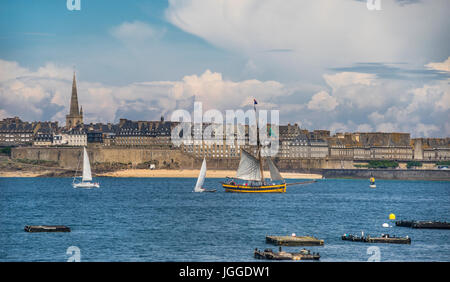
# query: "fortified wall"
169,158
69,157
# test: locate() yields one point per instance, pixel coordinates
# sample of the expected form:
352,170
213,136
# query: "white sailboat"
87,175
201,179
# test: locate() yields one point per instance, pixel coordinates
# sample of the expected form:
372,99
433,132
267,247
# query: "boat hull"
279,188
86,185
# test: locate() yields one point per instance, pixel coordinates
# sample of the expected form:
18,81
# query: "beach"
22,173
194,173
169,173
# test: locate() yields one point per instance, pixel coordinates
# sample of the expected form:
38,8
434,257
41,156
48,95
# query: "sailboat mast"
258,143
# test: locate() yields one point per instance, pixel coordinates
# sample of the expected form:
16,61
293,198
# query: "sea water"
161,219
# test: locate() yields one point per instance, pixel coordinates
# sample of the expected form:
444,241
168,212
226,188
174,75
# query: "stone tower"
75,116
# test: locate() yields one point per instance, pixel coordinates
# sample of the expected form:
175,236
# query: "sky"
335,64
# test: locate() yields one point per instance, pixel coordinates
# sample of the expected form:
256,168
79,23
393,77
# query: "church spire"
74,110
75,116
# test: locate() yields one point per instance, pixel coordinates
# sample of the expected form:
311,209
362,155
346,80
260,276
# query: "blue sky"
35,32
324,64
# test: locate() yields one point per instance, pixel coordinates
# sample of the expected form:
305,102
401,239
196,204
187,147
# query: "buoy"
392,216
293,235
385,225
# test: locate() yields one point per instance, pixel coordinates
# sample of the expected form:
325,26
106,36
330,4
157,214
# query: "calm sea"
161,219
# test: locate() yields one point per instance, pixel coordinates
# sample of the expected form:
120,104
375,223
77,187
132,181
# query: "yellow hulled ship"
250,174
250,179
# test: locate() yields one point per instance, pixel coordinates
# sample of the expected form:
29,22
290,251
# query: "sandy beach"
170,173
194,173
22,173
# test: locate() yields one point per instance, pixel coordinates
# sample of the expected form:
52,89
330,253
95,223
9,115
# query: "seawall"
405,174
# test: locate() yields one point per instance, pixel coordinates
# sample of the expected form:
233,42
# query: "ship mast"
258,143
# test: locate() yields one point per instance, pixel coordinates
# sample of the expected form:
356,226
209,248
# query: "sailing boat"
201,179
251,171
87,175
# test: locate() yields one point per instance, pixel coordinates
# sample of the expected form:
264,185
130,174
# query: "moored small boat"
294,241
423,224
384,238
46,228
281,255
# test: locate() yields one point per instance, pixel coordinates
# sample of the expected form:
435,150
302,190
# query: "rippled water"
160,219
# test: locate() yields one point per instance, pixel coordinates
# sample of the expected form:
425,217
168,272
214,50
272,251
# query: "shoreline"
385,174
193,173
163,173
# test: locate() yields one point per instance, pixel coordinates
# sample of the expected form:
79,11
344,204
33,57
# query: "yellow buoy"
392,216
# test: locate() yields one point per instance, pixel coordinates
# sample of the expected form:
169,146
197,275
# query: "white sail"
274,173
201,178
87,176
248,168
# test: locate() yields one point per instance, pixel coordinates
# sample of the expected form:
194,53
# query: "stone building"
303,147
431,149
14,132
75,116
372,145
74,137
143,133
43,139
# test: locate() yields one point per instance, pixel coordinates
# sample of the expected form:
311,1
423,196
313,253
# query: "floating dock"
385,238
423,224
46,228
271,255
294,241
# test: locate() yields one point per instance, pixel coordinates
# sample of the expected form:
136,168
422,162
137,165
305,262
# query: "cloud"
45,94
322,34
348,102
322,101
343,79
364,128
442,66
136,32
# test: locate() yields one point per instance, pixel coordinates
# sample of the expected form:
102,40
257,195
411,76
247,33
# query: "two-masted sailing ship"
250,174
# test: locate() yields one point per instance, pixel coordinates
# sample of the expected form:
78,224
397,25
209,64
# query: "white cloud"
319,34
387,127
355,102
45,94
364,128
135,31
338,127
322,101
442,66
343,79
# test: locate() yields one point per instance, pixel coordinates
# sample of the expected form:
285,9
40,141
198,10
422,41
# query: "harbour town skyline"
292,142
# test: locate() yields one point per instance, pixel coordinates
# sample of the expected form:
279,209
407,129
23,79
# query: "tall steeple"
75,116
74,99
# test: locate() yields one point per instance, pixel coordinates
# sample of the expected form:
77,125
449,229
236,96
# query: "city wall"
69,157
406,174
